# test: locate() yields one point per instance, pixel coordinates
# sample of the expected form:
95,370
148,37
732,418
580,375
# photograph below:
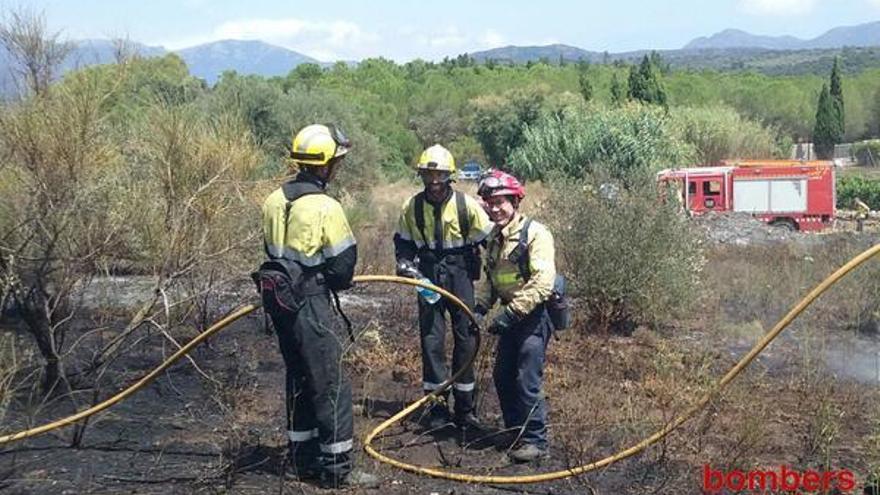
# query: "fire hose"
440,473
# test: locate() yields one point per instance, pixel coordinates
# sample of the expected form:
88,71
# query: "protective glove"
504,321
407,268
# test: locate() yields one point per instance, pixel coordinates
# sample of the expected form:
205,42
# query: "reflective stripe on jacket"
505,281
451,236
317,235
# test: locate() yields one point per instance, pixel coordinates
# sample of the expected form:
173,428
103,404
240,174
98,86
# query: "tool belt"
467,257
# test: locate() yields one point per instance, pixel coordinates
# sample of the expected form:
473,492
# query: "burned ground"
218,428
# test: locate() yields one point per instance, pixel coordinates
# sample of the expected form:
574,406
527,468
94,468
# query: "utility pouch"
279,282
558,307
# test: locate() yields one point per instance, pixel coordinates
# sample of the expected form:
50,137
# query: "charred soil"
219,428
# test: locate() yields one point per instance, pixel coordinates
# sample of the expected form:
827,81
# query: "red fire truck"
798,195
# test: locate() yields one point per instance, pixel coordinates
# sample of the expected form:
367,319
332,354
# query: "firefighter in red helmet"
521,273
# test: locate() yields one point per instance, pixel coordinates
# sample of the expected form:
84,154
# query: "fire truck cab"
795,194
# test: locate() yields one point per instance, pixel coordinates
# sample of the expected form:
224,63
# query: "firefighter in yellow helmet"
439,236
312,254
520,260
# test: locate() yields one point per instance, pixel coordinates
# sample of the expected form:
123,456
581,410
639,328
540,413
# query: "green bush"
851,187
499,121
629,259
625,142
719,132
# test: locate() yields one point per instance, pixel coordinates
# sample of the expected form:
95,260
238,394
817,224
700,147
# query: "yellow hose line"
638,447
438,473
216,327
137,385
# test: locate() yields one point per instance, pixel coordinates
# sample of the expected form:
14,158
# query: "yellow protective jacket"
502,264
442,219
317,232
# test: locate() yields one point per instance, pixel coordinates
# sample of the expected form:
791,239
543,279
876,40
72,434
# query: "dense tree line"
482,111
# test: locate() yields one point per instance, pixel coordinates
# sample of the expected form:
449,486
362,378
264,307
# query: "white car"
470,171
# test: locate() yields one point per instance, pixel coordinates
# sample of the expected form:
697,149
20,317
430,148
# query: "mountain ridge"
729,49
859,35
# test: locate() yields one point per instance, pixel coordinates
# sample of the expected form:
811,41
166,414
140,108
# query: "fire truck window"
692,188
711,188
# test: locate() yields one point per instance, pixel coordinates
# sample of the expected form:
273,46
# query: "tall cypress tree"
875,114
644,84
826,132
836,91
634,84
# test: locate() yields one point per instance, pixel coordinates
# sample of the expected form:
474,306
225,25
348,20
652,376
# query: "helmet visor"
490,182
343,144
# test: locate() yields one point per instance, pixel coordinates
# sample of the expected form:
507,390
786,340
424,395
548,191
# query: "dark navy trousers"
519,376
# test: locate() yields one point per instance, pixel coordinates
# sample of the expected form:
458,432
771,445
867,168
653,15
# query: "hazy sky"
403,30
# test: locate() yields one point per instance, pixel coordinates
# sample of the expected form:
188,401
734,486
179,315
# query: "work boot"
302,462
505,439
355,478
469,421
302,472
528,452
436,418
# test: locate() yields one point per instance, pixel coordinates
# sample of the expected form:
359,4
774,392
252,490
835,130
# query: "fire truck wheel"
784,223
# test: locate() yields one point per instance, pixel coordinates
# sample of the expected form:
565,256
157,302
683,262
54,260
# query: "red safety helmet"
499,183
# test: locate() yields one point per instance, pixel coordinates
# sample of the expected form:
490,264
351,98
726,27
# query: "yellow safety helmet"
437,158
317,144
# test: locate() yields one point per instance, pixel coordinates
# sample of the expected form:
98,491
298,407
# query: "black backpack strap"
523,261
438,229
419,213
292,192
464,219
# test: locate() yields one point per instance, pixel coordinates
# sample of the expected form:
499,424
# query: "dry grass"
374,221
12,360
787,408
762,283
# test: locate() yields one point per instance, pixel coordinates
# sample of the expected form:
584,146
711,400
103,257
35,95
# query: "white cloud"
874,3
778,7
492,39
445,42
325,41
341,34
346,40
